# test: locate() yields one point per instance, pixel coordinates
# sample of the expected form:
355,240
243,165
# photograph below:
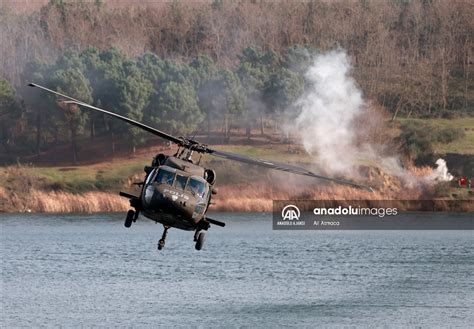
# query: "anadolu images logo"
290,212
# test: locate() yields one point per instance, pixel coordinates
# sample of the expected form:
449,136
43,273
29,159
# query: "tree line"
182,65
179,98
413,56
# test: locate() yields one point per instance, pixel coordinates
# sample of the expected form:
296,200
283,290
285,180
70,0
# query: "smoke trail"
328,110
334,116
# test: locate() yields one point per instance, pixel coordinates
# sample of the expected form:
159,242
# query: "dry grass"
241,188
62,202
258,195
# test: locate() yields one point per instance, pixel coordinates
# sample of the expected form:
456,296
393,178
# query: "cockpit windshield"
165,177
196,187
181,181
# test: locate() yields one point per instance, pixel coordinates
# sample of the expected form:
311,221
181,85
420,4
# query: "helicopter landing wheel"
161,242
201,236
129,218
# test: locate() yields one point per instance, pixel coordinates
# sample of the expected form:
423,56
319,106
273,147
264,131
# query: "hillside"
191,66
53,184
376,91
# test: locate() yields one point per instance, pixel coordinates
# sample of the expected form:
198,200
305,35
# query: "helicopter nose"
162,198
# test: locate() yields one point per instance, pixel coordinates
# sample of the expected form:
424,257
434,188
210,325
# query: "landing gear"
161,242
199,237
130,217
200,234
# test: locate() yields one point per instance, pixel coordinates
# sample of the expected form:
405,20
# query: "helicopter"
176,191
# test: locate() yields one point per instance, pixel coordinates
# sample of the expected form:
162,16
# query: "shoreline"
230,201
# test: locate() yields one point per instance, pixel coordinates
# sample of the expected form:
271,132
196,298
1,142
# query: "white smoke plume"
440,173
327,127
328,110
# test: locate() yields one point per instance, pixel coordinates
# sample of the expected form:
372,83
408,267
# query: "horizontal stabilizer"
128,196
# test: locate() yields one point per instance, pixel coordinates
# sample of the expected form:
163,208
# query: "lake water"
60,270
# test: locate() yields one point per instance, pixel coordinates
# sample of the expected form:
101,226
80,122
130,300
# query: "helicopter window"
181,181
196,187
165,177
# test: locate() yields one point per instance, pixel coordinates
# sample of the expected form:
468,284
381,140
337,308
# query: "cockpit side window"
196,187
165,177
181,181
150,176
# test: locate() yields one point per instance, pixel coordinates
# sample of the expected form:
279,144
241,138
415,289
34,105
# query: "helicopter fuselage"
175,193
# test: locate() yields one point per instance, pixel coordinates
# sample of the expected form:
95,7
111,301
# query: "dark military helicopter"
177,191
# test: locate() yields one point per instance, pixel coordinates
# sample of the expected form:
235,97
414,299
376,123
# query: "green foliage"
232,92
92,67
436,79
45,122
204,69
70,60
255,68
177,109
105,182
10,112
256,57
172,103
153,68
72,82
169,94
449,134
7,94
282,89
221,96
298,58
419,138
123,89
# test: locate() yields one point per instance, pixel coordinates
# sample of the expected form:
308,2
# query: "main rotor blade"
129,121
283,167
